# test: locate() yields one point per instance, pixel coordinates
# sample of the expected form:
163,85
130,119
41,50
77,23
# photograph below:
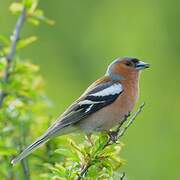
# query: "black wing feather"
79,111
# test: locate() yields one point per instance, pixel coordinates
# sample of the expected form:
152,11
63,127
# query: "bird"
104,104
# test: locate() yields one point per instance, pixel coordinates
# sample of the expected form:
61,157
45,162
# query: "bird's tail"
56,129
30,148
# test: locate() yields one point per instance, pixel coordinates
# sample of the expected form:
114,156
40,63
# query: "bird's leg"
113,135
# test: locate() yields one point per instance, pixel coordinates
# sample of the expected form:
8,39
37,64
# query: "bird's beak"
141,65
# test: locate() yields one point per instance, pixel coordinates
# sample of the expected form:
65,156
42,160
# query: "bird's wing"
94,99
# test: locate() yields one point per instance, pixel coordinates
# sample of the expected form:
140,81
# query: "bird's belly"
99,121
103,119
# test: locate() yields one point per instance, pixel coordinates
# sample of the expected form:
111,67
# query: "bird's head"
123,68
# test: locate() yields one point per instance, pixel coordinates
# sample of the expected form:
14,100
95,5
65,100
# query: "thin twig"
84,171
24,162
131,120
10,174
9,58
25,169
119,133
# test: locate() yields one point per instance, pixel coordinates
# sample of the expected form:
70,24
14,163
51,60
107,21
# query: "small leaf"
33,21
68,153
33,6
28,3
25,42
99,144
59,170
15,7
64,151
38,14
46,20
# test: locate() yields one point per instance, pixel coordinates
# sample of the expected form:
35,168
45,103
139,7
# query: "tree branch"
9,58
112,139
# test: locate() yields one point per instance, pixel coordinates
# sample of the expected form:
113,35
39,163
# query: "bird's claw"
113,136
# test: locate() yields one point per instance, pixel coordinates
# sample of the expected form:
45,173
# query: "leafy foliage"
34,14
100,161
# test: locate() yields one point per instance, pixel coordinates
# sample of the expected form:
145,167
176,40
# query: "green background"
87,36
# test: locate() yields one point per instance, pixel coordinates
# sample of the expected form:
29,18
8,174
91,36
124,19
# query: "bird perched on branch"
103,105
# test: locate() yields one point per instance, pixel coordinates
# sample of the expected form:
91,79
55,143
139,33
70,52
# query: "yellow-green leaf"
25,42
15,7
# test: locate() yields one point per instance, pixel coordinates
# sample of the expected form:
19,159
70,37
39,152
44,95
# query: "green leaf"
33,21
59,170
64,152
25,42
38,12
37,15
77,148
99,144
46,20
15,7
33,6
68,153
28,3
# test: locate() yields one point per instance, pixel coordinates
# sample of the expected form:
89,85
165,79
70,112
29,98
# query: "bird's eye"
128,64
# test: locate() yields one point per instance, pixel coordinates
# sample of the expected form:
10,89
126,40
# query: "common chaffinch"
103,105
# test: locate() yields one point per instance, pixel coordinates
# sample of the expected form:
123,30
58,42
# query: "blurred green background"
87,36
